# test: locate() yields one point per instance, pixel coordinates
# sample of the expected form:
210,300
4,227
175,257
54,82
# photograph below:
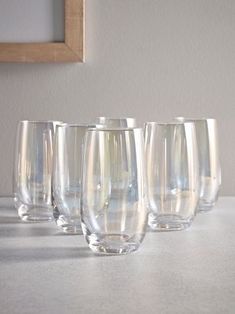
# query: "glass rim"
156,123
117,118
114,129
195,119
79,125
40,121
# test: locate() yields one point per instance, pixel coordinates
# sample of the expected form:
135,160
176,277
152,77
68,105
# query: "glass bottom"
30,213
205,206
168,222
69,226
112,244
70,229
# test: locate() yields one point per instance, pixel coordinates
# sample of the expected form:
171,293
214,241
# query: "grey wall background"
31,20
152,59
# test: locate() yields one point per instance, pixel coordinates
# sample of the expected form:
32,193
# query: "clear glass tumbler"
67,176
114,211
33,170
117,122
209,161
172,174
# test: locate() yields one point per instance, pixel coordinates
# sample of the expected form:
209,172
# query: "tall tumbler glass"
67,169
33,170
114,211
172,174
117,122
209,161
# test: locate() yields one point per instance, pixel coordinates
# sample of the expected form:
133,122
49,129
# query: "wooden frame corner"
71,50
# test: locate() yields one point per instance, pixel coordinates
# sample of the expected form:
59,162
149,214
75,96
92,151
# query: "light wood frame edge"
71,50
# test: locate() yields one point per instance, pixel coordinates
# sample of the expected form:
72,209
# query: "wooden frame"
71,50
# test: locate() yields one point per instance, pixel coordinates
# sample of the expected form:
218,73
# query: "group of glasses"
111,179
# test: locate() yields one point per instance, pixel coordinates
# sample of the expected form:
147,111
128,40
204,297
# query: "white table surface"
192,271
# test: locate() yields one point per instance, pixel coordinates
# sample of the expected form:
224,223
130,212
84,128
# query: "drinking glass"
33,170
117,122
67,168
172,174
209,162
114,211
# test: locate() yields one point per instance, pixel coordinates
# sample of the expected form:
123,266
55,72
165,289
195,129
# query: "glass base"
68,226
168,222
204,207
112,244
30,213
70,229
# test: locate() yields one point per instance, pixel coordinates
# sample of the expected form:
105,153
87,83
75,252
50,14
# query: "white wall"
152,59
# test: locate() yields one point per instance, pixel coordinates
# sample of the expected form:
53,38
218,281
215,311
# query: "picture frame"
70,50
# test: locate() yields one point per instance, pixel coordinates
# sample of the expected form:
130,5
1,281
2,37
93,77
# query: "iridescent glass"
172,174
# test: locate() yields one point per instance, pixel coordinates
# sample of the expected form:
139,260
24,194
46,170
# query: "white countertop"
192,271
